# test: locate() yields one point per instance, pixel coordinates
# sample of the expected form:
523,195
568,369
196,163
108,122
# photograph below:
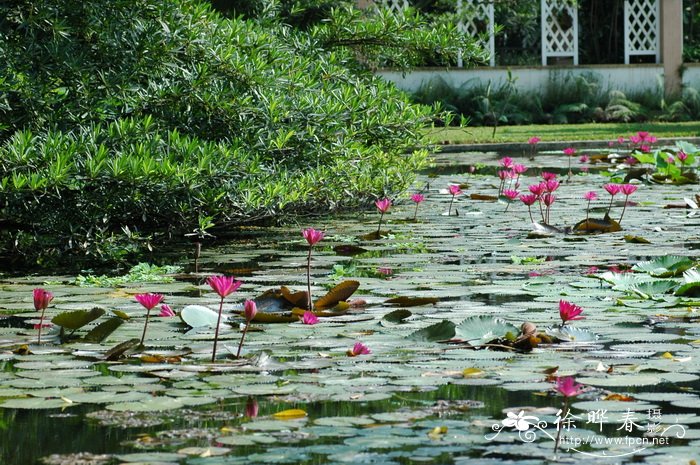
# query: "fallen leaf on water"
291,414
472,372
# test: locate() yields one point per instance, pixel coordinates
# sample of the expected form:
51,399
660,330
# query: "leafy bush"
125,122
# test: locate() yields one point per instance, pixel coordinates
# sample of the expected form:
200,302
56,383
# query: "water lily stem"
415,213
240,344
564,411
449,210
41,325
610,205
145,325
308,281
379,228
588,208
216,331
624,207
529,210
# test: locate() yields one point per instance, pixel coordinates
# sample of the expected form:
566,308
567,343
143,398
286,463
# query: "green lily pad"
78,318
481,329
666,266
437,332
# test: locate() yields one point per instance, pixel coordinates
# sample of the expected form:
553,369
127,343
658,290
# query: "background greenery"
126,123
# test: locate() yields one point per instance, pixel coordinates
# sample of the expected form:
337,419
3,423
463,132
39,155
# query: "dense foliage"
128,121
576,99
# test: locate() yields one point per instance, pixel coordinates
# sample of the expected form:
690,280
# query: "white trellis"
472,14
395,5
642,29
479,14
559,30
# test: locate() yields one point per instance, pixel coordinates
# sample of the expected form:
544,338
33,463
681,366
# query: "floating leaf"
199,316
348,250
264,317
593,225
78,318
472,372
116,352
568,333
477,330
298,299
691,288
650,289
100,332
291,414
412,301
272,301
442,331
636,239
397,316
666,266
483,197
339,293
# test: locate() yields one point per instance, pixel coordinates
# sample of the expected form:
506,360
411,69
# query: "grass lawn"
559,132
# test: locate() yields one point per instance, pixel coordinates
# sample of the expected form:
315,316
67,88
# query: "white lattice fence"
559,30
476,17
642,29
395,5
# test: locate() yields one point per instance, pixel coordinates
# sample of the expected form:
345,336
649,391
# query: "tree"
125,122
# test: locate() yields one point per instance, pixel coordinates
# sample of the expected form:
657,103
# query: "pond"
297,397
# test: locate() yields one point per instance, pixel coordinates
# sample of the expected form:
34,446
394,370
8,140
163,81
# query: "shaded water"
378,408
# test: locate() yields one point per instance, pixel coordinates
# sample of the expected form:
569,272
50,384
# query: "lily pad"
437,332
78,318
666,266
481,329
199,316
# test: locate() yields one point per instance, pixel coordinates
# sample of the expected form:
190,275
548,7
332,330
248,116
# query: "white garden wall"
627,78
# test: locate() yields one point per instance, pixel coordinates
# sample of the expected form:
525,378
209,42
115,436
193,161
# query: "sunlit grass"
563,132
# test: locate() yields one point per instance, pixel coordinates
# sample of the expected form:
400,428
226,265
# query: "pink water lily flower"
628,189
547,176
250,309
149,301
569,311
569,151
223,285
506,162
613,189
528,199
568,387
533,140
538,189
642,135
309,318
636,139
584,158
312,236
519,168
359,349
551,185
383,205
590,196
548,199
42,299
682,156
417,198
166,311
510,194
454,189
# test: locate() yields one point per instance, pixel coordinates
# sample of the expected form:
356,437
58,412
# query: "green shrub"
124,122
